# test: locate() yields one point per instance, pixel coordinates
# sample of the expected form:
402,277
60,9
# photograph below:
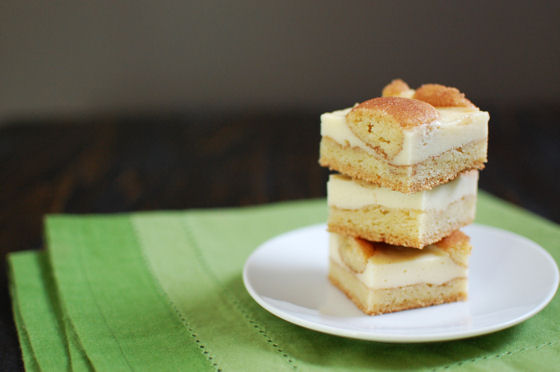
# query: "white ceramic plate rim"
381,336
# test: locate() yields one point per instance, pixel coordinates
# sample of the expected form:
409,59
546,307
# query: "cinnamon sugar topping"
441,96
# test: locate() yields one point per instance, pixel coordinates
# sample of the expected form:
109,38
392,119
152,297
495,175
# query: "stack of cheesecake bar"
408,175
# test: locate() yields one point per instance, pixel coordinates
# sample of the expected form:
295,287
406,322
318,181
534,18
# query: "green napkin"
163,291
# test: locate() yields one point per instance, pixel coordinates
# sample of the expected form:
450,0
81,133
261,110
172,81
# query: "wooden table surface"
179,161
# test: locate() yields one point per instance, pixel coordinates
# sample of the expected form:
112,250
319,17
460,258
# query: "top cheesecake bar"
407,140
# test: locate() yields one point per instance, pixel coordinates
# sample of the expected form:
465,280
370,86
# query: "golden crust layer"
404,227
441,96
405,112
395,299
395,88
359,164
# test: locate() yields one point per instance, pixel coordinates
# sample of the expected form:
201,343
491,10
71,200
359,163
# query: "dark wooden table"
180,161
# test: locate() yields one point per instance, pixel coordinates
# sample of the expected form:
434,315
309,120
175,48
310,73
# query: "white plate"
511,278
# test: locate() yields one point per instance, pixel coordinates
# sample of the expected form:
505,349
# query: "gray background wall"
68,57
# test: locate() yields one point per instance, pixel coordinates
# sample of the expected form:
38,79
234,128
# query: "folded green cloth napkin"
163,291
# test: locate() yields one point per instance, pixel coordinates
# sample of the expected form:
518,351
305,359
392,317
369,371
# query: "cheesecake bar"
417,219
408,140
381,278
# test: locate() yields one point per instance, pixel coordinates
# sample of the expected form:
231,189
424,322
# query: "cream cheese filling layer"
429,265
345,193
456,127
